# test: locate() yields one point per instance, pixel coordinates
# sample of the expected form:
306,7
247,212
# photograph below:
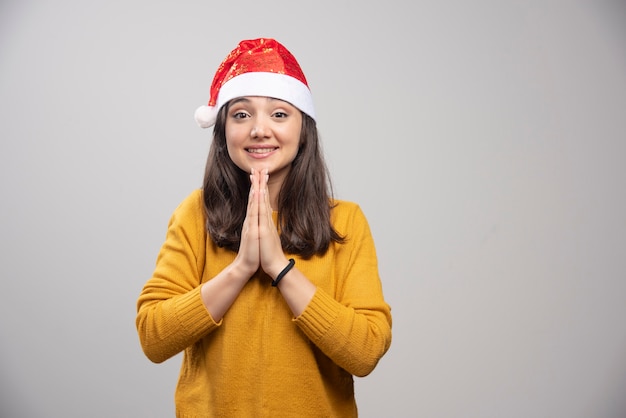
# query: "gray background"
484,140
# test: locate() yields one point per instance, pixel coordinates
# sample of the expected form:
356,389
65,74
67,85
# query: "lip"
260,152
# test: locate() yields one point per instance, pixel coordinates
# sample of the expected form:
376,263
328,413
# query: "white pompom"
205,116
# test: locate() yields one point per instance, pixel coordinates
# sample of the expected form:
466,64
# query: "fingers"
265,209
249,245
260,241
252,215
272,257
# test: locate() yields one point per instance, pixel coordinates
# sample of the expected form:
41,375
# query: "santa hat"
257,67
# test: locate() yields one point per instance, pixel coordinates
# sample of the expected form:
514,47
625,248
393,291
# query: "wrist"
238,270
276,268
283,272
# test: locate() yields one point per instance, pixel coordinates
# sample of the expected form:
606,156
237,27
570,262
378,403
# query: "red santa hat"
257,67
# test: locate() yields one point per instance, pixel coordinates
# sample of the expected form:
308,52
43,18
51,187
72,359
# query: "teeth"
260,150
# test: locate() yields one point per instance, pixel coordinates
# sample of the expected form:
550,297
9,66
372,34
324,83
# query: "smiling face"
263,133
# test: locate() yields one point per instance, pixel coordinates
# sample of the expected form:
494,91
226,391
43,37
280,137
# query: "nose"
258,130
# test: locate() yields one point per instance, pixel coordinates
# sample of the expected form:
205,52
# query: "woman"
268,284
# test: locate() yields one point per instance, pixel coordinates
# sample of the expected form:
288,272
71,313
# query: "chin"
262,166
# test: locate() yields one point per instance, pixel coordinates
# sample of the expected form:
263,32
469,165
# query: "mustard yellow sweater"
260,361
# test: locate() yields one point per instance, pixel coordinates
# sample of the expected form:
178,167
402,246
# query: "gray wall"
484,140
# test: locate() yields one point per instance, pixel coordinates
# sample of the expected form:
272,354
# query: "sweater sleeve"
170,313
353,326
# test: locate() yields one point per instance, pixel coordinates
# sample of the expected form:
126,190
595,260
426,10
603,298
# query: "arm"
170,312
174,310
219,293
353,325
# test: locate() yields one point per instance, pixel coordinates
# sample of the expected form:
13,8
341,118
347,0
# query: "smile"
260,150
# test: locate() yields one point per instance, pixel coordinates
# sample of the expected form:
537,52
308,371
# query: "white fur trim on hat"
278,86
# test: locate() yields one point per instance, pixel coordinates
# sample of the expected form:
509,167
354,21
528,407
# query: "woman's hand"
248,257
259,247
272,258
260,242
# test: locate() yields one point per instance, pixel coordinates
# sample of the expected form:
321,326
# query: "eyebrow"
239,99
245,99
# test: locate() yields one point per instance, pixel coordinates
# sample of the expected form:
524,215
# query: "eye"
240,114
279,114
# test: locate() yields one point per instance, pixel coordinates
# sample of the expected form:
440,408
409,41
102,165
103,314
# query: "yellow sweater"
260,361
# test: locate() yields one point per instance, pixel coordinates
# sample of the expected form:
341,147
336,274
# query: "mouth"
260,150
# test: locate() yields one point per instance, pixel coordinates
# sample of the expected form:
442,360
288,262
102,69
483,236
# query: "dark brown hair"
304,201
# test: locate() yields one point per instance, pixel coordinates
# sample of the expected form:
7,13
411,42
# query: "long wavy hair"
304,201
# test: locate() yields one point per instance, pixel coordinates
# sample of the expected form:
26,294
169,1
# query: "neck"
274,184
274,189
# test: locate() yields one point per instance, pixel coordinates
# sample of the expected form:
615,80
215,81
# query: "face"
263,133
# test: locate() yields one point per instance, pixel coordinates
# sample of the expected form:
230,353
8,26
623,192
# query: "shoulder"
192,202
191,208
344,213
344,206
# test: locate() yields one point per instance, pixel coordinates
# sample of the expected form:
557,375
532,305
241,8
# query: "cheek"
234,153
232,146
234,139
297,143
291,135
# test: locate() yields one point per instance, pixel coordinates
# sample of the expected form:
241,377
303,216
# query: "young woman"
268,284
